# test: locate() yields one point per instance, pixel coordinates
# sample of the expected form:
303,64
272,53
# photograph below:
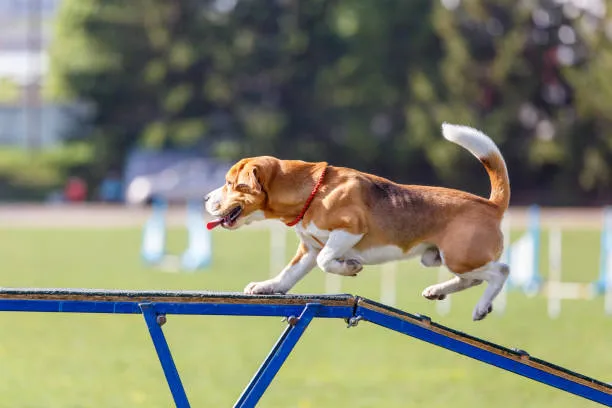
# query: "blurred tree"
361,83
139,67
531,75
584,58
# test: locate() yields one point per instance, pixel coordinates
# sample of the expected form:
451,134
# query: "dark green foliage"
360,83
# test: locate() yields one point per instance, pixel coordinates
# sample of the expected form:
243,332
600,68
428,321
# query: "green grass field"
69,360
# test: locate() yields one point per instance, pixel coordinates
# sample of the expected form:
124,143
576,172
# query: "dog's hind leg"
456,284
433,257
471,254
495,274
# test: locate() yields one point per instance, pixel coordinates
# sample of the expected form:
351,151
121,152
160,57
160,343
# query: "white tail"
481,146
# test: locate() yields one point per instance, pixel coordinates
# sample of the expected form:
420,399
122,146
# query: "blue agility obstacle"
153,249
604,283
198,254
524,256
299,311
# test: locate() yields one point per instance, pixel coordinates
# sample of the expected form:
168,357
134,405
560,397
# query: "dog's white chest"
312,236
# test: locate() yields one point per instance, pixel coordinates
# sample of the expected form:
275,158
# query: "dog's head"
242,198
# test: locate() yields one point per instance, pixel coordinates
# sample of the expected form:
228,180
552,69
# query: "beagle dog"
346,219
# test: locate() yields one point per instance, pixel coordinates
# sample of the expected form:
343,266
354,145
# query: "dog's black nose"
206,197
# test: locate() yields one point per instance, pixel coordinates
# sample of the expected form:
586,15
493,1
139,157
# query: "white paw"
433,293
481,311
267,287
353,267
348,267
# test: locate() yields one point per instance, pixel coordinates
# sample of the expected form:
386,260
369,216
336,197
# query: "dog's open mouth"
227,220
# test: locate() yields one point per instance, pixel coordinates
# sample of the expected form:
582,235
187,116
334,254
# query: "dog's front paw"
481,311
433,293
267,287
353,267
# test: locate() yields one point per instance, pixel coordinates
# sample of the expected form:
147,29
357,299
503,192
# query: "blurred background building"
104,92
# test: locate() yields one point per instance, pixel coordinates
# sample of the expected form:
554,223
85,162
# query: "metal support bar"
277,356
487,353
154,322
209,309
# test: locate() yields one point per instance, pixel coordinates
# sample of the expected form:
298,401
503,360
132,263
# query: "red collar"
310,198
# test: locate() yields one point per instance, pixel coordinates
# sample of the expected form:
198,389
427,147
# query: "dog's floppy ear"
256,174
248,179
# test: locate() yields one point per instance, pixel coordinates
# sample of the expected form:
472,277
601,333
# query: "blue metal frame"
154,322
277,356
213,309
516,361
349,308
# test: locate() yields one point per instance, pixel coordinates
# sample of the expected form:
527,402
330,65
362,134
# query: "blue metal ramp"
299,310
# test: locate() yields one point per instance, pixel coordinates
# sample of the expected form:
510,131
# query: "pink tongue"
214,223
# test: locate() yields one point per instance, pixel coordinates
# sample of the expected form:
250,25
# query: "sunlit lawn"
68,360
